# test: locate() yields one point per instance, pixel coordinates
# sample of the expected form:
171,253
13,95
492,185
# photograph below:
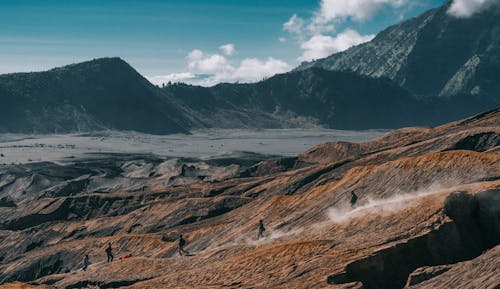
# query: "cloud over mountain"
357,9
318,36
467,8
209,69
320,46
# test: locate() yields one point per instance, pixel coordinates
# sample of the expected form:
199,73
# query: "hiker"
182,243
86,262
261,230
354,199
109,253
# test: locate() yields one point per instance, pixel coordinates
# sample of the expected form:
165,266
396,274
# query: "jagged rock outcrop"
481,272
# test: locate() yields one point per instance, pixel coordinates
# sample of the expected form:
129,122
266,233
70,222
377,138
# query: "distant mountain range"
428,70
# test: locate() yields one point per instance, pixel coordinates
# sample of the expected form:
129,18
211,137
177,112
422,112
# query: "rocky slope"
427,217
432,54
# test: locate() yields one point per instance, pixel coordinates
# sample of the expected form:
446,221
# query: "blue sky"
181,40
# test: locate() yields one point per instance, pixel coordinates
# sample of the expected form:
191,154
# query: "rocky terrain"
428,216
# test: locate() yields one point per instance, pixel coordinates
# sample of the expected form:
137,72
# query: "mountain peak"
96,64
104,93
431,54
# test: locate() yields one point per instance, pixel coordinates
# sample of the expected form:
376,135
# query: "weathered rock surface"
426,205
480,272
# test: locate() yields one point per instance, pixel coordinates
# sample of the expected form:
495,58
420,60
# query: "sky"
196,41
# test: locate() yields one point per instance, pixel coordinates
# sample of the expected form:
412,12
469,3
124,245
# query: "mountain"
429,70
101,94
315,96
432,54
108,93
427,215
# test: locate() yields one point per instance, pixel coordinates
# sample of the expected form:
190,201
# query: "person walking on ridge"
182,243
109,253
86,262
261,230
354,199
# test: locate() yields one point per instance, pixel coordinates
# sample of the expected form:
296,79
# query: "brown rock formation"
427,216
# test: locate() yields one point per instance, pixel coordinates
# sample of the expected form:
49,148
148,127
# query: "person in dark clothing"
182,243
86,262
109,253
354,199
261,230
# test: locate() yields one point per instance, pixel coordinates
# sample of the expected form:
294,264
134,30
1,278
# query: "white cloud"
195,55
282,39
210,64
173,77
210,69
228,49
248,70
253,69
319,46
317,36
294,25
467,8
357,9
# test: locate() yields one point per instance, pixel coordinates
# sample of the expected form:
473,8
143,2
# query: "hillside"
106,93
340,100
427,212
109,94
431,54
318,97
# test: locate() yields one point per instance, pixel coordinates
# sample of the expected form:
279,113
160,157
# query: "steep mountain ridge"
431,54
